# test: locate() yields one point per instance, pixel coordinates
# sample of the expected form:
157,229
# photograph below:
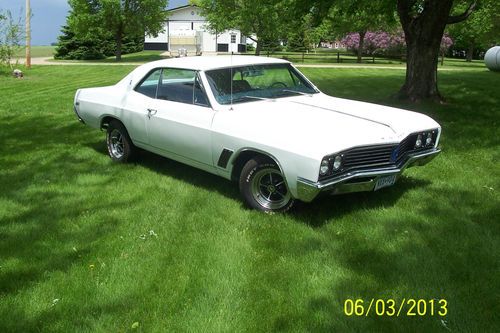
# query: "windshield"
250,83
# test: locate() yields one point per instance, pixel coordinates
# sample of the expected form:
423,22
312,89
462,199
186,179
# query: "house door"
233,45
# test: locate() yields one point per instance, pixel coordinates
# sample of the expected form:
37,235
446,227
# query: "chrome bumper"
359,181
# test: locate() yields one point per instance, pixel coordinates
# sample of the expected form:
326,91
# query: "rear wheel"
263,186
120,146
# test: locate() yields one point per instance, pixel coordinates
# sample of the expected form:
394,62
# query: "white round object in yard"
492,58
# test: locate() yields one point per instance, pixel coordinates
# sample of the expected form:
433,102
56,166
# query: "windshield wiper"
297,92
259,98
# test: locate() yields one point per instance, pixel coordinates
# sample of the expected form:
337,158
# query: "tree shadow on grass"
179,171
442,249
44,227
45,214
315,213
327,207
448,252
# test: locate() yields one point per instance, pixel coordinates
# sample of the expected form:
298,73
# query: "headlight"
324,168
428,141
337,162
418,142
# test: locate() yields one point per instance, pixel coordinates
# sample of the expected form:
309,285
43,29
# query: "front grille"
405,146
381,156
368,156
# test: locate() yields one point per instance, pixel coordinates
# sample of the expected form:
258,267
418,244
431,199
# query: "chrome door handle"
151,112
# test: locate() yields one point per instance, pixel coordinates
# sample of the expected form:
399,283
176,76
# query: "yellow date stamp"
409,307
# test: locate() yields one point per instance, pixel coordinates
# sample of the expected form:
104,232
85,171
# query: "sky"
49,16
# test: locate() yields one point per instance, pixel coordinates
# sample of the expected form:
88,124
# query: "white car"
258,121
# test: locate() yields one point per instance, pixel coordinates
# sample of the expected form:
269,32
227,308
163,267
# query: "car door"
136,107
180,117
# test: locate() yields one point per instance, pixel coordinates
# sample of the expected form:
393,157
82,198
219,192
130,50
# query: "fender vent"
224,158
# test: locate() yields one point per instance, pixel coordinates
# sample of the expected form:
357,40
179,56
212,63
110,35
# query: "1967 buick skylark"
258,121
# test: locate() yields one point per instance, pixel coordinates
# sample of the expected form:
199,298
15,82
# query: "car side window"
182,86
199,94
149,85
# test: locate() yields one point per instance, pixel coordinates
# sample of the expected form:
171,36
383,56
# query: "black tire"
120,146
260,190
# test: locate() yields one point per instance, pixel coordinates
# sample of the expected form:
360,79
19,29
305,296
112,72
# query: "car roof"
202,63
212,62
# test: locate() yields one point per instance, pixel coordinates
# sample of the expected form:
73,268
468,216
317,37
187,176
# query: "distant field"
37,51
138,57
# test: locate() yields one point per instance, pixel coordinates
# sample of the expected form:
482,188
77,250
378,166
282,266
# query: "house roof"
181,7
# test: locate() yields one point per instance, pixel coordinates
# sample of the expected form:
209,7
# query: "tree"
11,33
261,21
69,46
119,17
302,33
424,22
478,31
97,46
348,16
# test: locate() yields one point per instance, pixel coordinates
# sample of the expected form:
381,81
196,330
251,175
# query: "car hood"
318,125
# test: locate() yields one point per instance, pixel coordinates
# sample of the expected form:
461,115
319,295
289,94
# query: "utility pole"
28,34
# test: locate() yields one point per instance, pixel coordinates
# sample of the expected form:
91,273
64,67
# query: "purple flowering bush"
384,43
446,43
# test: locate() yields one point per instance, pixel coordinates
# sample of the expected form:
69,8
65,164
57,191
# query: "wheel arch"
246,154
104,122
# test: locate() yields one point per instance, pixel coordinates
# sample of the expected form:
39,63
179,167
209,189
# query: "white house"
187,29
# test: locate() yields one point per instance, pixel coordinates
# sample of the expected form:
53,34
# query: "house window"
192,25
233,38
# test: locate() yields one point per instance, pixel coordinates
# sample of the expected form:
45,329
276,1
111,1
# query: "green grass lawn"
91,246
143,56
140,57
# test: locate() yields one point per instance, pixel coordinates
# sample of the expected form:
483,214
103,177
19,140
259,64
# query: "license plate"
385,181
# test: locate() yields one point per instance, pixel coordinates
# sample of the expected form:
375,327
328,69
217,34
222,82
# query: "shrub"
11,34
384,43
71,47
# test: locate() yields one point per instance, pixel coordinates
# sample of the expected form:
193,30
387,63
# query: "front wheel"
120,146
263,186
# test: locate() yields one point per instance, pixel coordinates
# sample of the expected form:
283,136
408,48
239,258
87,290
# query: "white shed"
186,29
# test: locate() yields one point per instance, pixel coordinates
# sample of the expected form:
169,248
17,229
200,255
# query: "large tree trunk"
258,47
423,34
119,40
470,52
361,46
423,23
118,51
421,70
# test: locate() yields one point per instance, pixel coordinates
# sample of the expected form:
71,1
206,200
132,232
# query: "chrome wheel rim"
269,189
116,143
